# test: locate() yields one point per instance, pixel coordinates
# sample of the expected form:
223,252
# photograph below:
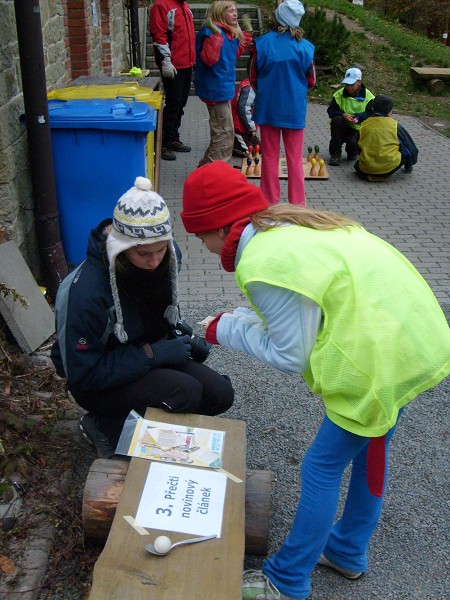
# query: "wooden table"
208,571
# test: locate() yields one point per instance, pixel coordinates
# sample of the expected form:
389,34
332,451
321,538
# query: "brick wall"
80,37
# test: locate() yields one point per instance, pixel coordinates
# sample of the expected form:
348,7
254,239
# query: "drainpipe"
34,86
135,38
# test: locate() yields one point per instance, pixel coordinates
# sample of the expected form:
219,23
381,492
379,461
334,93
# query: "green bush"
330,38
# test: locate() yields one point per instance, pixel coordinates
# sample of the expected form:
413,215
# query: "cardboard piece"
30,326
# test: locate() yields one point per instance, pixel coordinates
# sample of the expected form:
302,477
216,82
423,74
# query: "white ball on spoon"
162,544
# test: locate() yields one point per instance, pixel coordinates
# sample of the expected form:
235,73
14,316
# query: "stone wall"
80,37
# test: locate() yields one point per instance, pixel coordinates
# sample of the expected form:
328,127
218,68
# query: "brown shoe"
180,147
167,154
335,160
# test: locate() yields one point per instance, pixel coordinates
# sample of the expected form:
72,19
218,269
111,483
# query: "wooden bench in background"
208,571
434,78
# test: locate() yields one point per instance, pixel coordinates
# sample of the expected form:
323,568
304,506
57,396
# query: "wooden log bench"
434,78
105,482
209,571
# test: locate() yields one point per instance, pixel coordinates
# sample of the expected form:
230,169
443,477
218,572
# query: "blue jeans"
344,543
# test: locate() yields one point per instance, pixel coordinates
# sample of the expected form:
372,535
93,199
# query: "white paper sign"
182,499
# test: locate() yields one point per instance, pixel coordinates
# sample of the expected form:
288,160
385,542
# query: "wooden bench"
104,485
209,571
434,78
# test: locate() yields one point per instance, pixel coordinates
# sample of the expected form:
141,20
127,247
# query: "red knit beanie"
216,195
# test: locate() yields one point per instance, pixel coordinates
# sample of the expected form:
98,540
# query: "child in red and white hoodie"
219,42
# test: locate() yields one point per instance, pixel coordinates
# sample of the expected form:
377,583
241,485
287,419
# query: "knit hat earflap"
216,195
140,217
289,13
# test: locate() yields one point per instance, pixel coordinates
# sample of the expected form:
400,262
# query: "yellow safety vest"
378,143
351,106
384,337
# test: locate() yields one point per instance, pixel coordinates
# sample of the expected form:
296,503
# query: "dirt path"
351,25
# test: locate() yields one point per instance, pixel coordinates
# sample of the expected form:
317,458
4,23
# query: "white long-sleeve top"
286,339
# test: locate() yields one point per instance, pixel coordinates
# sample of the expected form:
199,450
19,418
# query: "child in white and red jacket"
219,42
245,128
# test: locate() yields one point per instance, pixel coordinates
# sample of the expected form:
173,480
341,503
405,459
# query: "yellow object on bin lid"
131,90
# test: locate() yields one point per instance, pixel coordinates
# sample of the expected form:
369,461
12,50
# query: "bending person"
350,314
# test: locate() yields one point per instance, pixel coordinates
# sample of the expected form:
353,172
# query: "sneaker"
167,154
408,169
257,586
327,563
180,147
88,429
335,160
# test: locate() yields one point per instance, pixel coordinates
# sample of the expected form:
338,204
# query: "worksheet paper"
182,499
171,443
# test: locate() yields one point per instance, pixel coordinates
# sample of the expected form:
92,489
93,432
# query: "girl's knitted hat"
140,217
289,13
216,195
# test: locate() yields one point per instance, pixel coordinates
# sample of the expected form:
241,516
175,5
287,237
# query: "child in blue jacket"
219,42
282,71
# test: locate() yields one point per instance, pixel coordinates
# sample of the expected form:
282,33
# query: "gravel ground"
409,551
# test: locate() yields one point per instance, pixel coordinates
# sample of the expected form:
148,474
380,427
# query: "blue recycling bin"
99,148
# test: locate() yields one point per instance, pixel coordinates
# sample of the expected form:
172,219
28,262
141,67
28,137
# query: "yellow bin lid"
122,90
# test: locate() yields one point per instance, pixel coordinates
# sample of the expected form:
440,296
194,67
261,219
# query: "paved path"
409,551
411,211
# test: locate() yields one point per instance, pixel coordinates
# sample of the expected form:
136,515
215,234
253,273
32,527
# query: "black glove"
254,140
172,352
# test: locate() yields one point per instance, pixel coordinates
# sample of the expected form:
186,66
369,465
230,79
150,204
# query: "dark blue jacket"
408,148
86,352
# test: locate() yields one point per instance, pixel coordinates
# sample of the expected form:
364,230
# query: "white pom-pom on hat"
142,183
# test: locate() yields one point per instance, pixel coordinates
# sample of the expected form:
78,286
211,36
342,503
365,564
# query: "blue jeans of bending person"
345,542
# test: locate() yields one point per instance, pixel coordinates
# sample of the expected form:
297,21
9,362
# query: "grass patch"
386,71
423,49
